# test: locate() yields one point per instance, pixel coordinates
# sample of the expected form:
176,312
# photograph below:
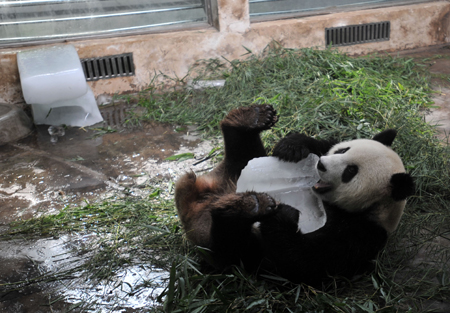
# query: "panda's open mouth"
321,187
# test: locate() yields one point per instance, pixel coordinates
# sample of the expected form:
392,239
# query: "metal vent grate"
108,67
115,115
356,34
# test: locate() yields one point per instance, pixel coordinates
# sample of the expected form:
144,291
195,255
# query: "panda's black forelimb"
295,147
311,258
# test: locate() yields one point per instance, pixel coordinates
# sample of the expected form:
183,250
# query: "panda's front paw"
291,148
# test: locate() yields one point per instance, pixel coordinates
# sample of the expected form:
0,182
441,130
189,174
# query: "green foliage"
322,93
180,157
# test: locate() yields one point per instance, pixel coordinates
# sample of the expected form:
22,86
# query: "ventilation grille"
108,67
356,34
115,115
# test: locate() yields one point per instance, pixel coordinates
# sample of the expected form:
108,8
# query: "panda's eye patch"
349,172
341,151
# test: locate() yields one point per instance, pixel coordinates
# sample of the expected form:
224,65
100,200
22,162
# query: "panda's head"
366,173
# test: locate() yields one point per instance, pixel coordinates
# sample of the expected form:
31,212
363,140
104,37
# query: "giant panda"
363,187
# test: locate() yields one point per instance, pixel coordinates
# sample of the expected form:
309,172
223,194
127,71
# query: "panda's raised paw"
266,116
257,117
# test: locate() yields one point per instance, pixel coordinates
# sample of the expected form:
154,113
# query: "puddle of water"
135,287
38,177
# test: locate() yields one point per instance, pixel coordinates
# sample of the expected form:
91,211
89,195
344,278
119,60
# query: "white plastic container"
82,111
289,183
51,74
53,83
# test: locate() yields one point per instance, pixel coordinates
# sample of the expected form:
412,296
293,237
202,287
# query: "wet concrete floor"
39,177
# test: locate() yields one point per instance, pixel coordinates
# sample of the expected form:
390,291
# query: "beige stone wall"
173,53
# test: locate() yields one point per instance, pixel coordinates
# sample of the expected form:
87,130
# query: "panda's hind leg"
213,215
256,117
215,218
240,129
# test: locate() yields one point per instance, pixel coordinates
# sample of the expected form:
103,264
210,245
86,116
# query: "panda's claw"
257,117
262,205
256,208
265,117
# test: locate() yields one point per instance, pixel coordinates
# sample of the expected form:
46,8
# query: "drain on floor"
115,115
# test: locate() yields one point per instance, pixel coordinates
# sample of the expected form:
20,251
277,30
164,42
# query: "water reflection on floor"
40,177
132,288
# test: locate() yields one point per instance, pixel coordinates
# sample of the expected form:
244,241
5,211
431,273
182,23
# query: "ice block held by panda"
289,183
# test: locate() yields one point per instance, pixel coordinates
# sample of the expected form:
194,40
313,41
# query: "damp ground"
438,62
38,176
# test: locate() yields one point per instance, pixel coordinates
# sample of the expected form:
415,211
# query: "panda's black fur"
251,229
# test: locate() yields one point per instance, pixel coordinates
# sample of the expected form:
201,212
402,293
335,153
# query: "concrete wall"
173,53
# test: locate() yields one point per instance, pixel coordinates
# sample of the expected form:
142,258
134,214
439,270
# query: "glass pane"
30,20
268,7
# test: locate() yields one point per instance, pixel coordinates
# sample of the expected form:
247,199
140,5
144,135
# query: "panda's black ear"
386,137
402,186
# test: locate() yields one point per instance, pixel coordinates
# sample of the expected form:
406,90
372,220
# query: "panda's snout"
321,167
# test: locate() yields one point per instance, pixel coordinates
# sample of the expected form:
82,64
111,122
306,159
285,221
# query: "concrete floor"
38,177
438,59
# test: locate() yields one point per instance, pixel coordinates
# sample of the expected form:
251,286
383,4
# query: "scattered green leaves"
181,157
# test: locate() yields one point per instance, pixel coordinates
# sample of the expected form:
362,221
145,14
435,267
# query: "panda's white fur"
375,164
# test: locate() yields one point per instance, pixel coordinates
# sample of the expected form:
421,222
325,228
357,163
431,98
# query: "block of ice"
289,183
51,74
271,173
82,111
